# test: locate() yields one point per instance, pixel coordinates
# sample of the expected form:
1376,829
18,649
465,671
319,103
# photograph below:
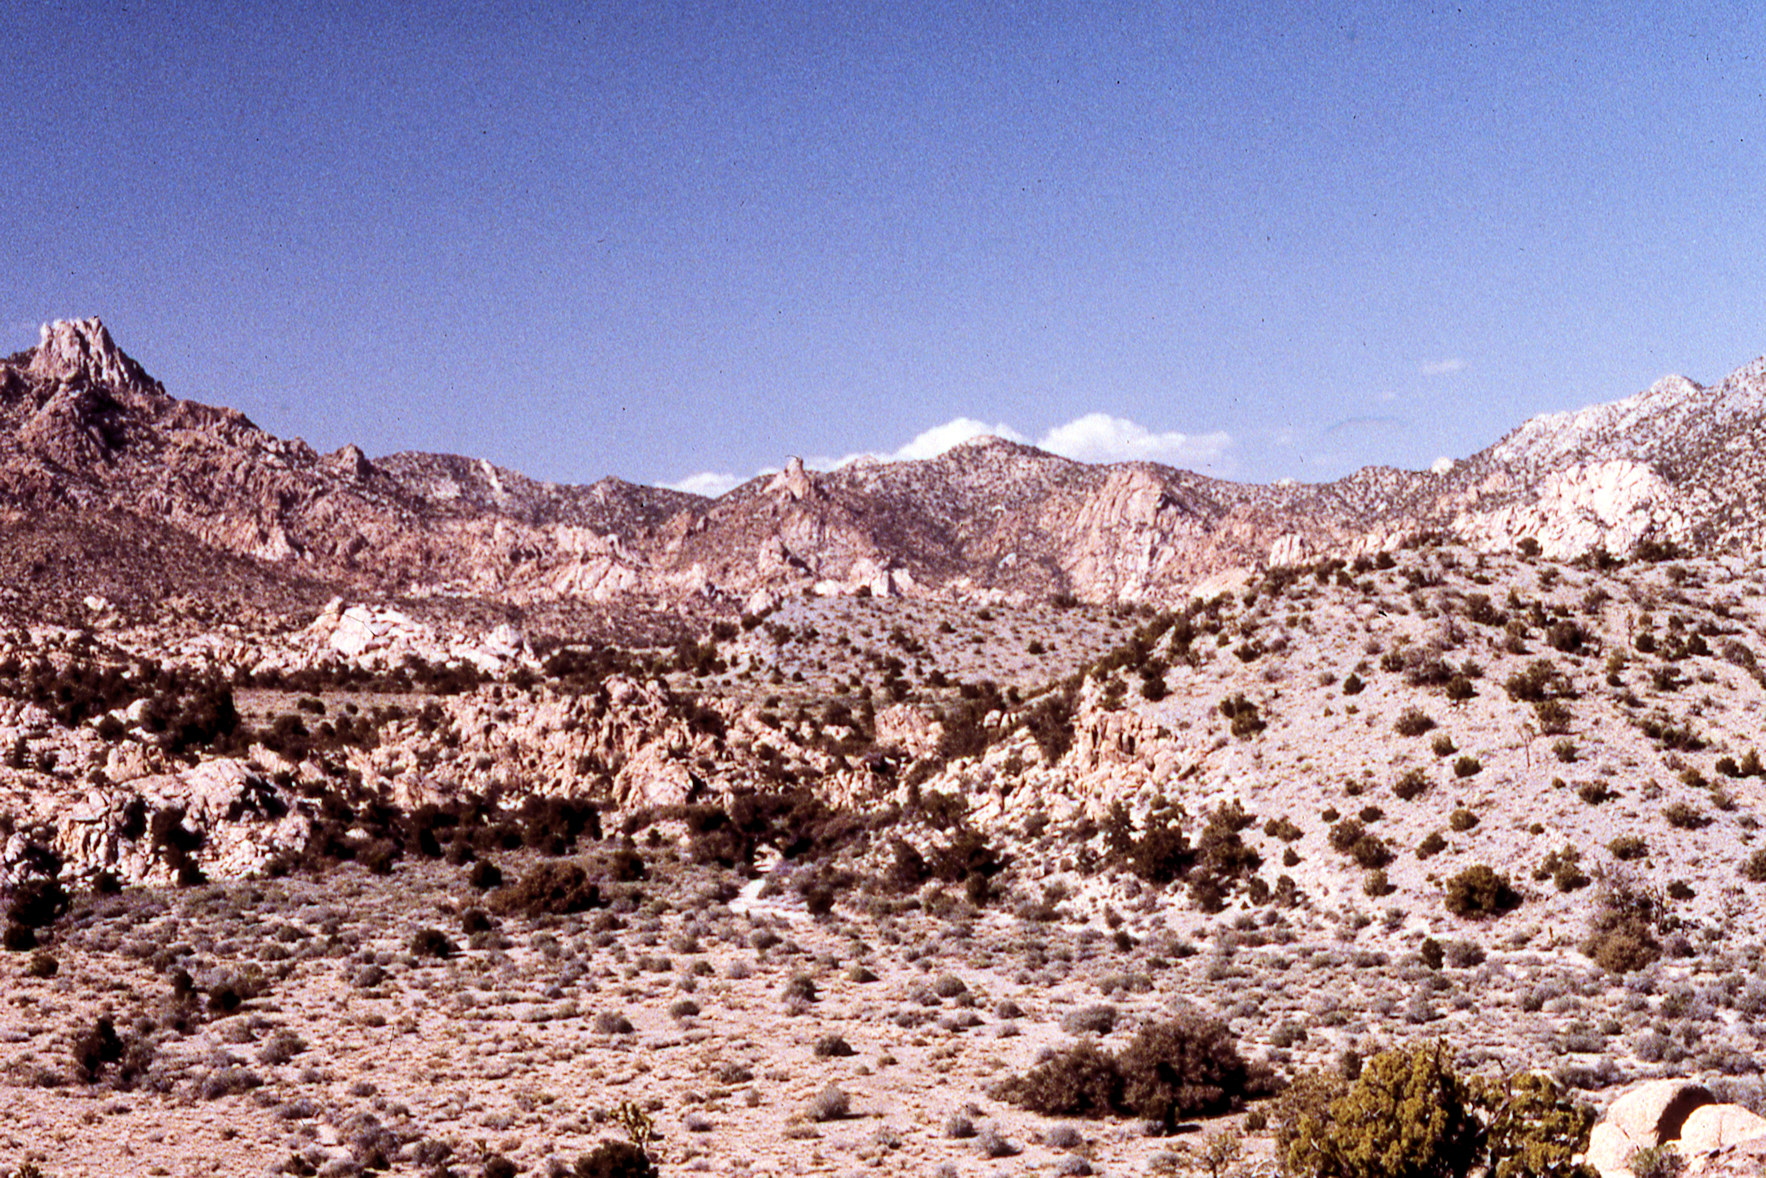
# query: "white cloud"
925,444
1442,367
707,482
935,441
1098,437
1095,437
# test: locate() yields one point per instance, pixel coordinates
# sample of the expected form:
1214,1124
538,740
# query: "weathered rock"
1713,1127
1644,1116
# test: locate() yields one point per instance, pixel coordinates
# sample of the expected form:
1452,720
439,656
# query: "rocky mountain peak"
794,480
81,351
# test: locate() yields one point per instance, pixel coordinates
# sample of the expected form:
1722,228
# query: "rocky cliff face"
88,435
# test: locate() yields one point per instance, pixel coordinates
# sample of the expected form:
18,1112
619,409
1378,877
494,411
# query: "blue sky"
665,240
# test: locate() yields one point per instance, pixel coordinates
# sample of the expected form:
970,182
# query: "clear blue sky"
658,239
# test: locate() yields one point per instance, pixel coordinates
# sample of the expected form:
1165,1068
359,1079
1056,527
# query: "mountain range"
110,484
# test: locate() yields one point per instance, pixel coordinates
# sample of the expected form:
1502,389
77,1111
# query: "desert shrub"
1567,636
1564,869
1411,784
612,1022
1344,835
1627,847
1408,1115
1462,820
1552,716
38,900
1367,849
281,1047
968,858
1352,685
432,942
1432,954
832,1047
1432,844
1622,933
1467,766
554,887
1282,828
965,731
830,1104
228,1080
1594,792
1459,689
1160,852
615,1159
1181,1067
1541,680
1671,734
1099,1019
1480,891
1564,750
485,875
1082,1081
1371,852
1413,722
95,1048
1246,720
1753,868
1222,856
1186,1066
907,867
1684,815
379,856
1532,1129
553,824
1656,1161
235,989
1464,954
1050,723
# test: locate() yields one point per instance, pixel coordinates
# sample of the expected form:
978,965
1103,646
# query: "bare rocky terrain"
402,814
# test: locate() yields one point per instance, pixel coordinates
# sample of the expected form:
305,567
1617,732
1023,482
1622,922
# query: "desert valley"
993,813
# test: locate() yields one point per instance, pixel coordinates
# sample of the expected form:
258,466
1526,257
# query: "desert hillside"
989,814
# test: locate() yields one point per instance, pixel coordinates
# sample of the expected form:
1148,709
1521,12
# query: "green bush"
1408,1115
554,887
1684,815
1412,784
1531,1130
1656,1161
1413,722
1246,721
1479,891
432,942
1082,1081
1622,933
1186,1066
1564,869
1178,1068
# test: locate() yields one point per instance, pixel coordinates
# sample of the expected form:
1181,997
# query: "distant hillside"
89,435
